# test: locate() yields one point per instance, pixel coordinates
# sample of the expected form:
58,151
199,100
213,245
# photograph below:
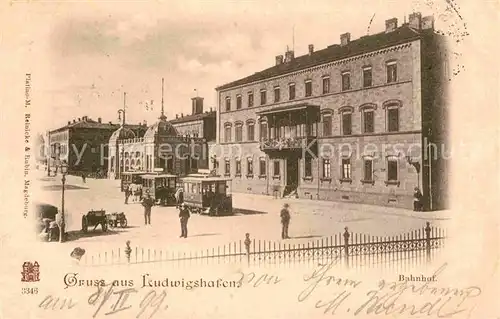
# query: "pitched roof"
89,123
192,117
335,52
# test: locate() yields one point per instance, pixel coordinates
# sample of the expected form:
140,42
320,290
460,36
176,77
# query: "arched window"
238,131
227,132
250,130
263,130
368,117
127,165
346,119
392,115
138,165
326,119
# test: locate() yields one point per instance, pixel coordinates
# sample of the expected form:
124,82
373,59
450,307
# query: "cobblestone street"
311,220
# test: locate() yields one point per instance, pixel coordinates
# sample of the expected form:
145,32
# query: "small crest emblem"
31,272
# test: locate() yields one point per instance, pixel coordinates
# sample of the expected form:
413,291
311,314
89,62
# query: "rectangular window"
346,123
227,134
346,81
227,167
250,99
393,120
291,91
251,132
367,77
327,125
194,163
263,131
238,167
326,85
392,170
276,168
262,167
238,132
368,170
277,94
368,124
307,165
326,168
392,72
249,167
228,103
263,97
238,102
346,168
308,88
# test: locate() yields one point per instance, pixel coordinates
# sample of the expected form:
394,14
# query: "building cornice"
325,65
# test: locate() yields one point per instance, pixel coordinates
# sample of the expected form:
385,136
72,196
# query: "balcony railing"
285,143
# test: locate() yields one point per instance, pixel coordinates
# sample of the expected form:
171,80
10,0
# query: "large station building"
351,122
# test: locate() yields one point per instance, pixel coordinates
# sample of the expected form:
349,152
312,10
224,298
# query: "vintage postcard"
249,159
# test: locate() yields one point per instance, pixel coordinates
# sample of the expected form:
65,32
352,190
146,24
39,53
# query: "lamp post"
64,171
121,116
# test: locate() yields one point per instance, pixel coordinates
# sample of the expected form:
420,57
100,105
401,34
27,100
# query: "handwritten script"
120,300
386,298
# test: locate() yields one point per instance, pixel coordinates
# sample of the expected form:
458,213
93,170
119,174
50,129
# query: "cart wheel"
111,223
84,224
123,223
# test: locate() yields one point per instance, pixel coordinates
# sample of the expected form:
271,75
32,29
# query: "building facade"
83,144
351,122
159,148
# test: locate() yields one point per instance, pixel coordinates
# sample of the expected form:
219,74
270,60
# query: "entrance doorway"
292,173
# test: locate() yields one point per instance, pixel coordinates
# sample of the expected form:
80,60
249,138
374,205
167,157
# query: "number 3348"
29,291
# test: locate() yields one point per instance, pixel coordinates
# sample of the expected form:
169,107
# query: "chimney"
428,22
211,110
182,114
197,105
311,49
391,25
176,116
279,59
79,119
415,20
110,122
145,123
99,120
69,122
345,39
289,56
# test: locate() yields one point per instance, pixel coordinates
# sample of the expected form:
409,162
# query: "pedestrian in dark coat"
285,221
83,177
127,194
184,217
147,203
417,200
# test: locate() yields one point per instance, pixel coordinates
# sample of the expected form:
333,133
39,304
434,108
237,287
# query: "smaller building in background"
198,123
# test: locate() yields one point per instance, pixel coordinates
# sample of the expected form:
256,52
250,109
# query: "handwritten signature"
388,297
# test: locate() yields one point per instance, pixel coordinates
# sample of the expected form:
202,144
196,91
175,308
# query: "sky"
84,55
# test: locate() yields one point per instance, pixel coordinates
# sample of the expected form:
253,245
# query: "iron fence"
351,249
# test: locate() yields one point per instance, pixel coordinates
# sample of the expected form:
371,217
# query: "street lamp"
64,171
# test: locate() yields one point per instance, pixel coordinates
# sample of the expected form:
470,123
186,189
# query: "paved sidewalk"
315,207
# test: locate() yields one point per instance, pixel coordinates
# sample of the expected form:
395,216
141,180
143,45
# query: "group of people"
148,202
133,190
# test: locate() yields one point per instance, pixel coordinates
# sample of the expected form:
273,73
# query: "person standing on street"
285,221
184,217
417,200
127,194
147,203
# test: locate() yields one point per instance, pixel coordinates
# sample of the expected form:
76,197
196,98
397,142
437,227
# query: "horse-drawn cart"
116,219
95,218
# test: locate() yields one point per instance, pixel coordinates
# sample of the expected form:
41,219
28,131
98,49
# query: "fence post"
247,246
428,241
128,250
346,246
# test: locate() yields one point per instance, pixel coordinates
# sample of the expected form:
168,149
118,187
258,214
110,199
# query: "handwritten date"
118,301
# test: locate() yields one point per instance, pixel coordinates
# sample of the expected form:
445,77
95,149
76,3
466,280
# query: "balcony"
287,143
